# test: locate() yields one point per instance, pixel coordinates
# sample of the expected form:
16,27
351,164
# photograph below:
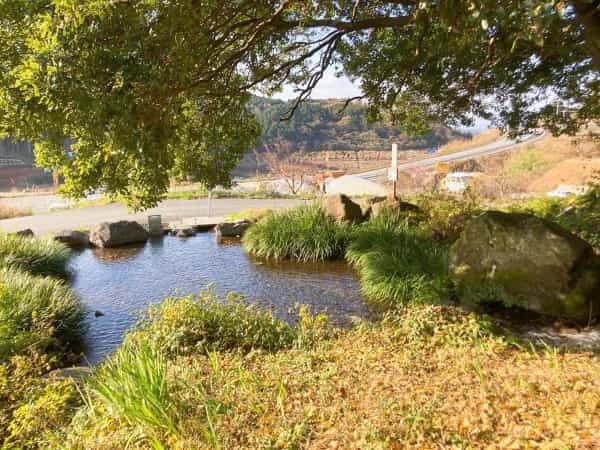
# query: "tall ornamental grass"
132,386
396,265
38,256
304,233
37,311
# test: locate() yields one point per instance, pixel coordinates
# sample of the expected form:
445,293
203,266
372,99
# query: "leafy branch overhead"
144,90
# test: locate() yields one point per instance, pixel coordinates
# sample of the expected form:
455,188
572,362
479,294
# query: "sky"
333,87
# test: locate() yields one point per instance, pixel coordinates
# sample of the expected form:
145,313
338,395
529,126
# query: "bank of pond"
195,340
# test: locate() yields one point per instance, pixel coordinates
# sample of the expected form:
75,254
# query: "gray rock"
73,238
232,229
114,234
522,260
186,232
342,209
28,232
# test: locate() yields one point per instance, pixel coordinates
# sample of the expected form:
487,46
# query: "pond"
122,281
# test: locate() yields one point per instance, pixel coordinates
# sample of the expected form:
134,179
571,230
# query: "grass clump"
397,265
36,311
132,386
38,256
304,233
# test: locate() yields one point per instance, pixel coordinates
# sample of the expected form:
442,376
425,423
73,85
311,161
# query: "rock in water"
114,234
232,229
28,232
342,209
522,260
73,238
186,233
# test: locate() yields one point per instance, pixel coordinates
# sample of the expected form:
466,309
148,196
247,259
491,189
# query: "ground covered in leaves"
429,377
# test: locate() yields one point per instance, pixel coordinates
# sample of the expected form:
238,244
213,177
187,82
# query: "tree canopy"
148,89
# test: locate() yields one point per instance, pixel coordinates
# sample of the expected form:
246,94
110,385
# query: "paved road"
498,146
171,210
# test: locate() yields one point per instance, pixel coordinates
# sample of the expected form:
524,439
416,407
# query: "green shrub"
37,311
304,233
446,216
39,256
132,386
204,322
396,264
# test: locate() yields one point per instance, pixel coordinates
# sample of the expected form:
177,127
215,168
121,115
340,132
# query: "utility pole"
393,170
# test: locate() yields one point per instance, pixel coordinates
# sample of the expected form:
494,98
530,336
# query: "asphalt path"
170,210
501,145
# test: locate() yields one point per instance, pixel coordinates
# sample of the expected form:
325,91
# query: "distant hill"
318,125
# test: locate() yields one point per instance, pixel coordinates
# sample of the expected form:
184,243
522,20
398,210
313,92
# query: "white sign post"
393,170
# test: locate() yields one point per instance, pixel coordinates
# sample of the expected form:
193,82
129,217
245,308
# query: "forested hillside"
319,125
316,125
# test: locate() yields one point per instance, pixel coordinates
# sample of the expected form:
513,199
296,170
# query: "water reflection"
120,282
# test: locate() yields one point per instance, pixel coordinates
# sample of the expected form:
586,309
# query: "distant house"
565,190
457,182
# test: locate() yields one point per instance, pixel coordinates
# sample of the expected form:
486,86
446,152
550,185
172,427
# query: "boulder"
25,233
73,238
342,209
395,206
522,260
186,233
114,234
232,229
366,203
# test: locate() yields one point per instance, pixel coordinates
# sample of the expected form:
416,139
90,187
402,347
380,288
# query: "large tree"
145,89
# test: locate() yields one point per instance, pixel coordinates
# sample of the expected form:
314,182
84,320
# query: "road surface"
498,146
170,210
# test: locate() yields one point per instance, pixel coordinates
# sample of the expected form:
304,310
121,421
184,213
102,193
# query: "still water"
121,282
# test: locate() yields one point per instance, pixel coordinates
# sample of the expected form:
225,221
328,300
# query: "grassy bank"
425,377
41,324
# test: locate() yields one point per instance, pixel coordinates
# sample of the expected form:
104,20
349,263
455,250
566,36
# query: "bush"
39,256
36,311
204,322
304,233
396,264
446,216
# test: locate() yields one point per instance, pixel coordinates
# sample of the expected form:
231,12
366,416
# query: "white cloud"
329,87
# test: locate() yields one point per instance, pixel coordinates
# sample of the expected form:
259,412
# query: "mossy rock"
522,260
